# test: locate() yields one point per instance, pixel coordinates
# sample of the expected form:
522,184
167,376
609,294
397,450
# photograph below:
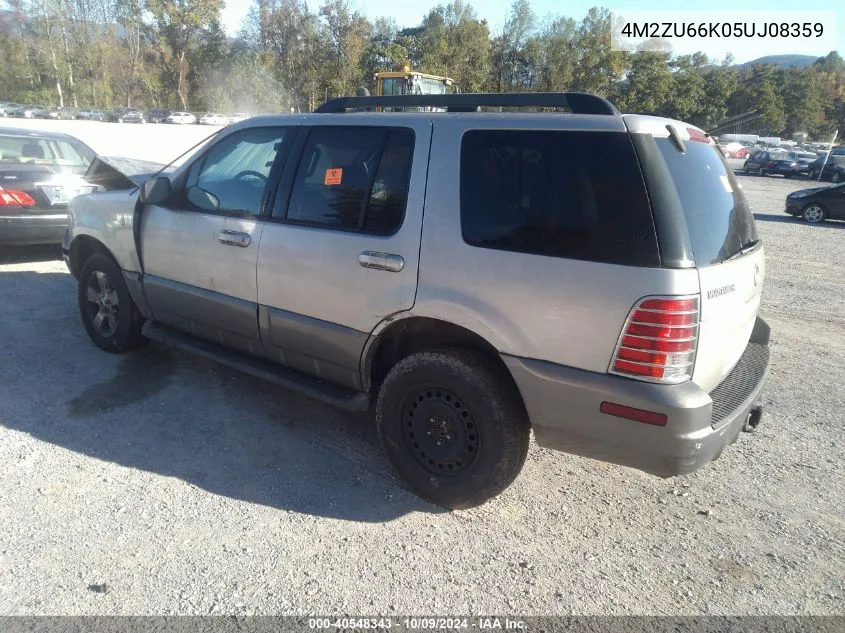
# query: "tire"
470,437
814,213
102,292
811,174
837,177
760,171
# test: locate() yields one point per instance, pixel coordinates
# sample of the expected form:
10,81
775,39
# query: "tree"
453,42
649,84
347,35
179,23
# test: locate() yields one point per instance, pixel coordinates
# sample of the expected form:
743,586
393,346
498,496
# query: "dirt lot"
157,483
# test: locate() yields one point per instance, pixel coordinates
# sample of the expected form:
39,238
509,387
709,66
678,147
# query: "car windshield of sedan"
16,149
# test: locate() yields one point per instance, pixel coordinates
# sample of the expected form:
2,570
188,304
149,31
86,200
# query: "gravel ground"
156,483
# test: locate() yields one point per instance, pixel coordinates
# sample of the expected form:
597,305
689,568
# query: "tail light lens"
659,340
771,163
10,197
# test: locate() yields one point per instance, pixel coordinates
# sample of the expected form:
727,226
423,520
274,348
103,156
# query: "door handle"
381,261
234,238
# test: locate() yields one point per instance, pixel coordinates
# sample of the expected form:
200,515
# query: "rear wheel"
109,315
812,174
814,213
453,425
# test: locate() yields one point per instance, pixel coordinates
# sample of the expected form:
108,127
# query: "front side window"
576,195
353,179
236,169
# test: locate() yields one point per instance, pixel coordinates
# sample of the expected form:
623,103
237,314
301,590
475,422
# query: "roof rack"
576,102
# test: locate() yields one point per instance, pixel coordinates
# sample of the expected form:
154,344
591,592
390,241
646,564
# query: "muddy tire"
453,425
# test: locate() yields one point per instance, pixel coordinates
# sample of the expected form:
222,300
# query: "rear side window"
577,195
353,179
718,218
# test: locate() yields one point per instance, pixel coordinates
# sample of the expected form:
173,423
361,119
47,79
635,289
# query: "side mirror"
156,190
203,199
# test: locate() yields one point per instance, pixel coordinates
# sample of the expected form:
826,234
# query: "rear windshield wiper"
745,248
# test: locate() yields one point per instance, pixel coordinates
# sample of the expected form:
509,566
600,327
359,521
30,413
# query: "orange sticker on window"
333,176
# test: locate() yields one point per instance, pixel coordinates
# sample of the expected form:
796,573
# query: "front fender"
106,217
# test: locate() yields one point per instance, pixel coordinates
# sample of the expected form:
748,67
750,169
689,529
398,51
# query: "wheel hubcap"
101,304
813,214
440,431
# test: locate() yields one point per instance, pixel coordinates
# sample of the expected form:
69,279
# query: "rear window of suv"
718,219
576,195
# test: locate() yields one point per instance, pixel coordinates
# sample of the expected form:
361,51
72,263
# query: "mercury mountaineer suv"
472,272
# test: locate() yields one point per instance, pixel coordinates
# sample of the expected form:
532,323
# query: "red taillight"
630,413
10,197
659,340
771,163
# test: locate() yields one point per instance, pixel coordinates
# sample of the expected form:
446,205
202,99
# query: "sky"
495,12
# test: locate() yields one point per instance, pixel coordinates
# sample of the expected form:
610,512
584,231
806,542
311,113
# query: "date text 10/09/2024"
418,624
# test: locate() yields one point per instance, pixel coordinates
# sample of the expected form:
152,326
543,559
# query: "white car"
237,117
182,118
214,119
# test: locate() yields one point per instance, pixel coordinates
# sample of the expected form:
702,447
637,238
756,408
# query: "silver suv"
474,275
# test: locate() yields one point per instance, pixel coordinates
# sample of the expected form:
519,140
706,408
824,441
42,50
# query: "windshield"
430,87
718,218
43,151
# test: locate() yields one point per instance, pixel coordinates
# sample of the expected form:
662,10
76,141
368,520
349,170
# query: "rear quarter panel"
564,311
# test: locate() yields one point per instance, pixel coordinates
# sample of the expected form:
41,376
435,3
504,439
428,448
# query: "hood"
806,192
114,172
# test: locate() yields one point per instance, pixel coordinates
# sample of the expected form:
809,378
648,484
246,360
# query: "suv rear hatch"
704,221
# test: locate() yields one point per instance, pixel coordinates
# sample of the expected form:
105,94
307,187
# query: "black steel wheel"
453,425
440,430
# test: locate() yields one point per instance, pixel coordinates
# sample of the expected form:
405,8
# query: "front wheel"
760,171
814,213
453,425
109,315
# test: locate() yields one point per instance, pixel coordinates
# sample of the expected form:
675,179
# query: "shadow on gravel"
788,219
175,415
30,254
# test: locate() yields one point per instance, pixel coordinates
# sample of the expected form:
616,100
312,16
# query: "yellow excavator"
404,81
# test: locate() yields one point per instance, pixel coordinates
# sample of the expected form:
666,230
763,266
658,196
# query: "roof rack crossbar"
576,102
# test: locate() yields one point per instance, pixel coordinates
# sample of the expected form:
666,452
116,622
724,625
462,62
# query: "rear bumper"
33,229
563,404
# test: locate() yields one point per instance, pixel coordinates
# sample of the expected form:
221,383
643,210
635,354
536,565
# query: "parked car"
131,116
237,117
818,203
772,162
39,174
735,150
7,107
546,288
56,114
213,119
26,111
182,118
91,115
830,167
158,115
802,160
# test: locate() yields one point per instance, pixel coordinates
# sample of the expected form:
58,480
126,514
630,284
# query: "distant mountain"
783,61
